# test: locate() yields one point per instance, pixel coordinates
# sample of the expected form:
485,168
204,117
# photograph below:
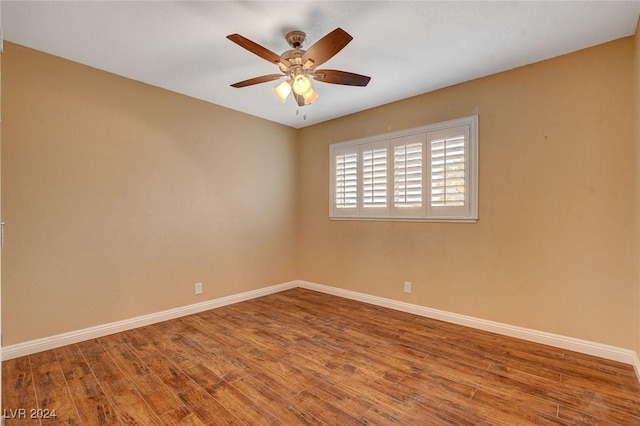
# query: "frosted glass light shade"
310,96
282,90
301,84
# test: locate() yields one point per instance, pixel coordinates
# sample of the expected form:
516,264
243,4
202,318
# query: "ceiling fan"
298,65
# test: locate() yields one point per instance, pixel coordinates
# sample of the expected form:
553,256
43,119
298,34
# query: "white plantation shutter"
426,173
449,171
375,178
345,181
408,175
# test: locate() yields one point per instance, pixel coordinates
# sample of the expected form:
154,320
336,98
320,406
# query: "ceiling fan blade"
341,77
254,48
257,80
325,48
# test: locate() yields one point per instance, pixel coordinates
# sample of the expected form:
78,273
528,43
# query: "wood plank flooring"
302,357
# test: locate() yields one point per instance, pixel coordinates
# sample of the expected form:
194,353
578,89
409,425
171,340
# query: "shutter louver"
448,178
346,185
374,178
407,175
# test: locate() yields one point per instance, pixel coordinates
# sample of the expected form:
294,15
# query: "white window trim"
426,213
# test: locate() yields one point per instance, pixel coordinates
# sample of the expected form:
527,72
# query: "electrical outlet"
198,288
407,287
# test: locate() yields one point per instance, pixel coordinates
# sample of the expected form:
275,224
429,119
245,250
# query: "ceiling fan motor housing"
292,57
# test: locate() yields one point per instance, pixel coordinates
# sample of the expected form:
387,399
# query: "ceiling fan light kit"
298,66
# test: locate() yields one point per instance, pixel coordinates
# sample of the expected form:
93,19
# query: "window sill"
403,219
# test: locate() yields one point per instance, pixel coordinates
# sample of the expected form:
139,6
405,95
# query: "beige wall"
636,78
119,196
553,249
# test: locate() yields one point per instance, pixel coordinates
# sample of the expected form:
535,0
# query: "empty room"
251,212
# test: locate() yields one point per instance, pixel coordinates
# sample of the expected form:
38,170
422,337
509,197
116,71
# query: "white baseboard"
46,343
636,365
583,346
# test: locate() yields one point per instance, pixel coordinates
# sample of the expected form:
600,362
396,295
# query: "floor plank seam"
35,391
66,383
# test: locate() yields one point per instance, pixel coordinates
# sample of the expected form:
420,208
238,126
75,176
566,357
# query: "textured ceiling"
408,48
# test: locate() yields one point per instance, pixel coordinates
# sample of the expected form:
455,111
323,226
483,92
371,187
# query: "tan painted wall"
636,78
119,196
553,249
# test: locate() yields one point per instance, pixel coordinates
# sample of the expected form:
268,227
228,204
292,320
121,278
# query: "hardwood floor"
302,357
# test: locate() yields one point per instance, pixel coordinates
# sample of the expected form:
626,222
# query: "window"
426,173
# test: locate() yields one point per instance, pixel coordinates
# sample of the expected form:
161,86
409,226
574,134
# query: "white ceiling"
407,48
